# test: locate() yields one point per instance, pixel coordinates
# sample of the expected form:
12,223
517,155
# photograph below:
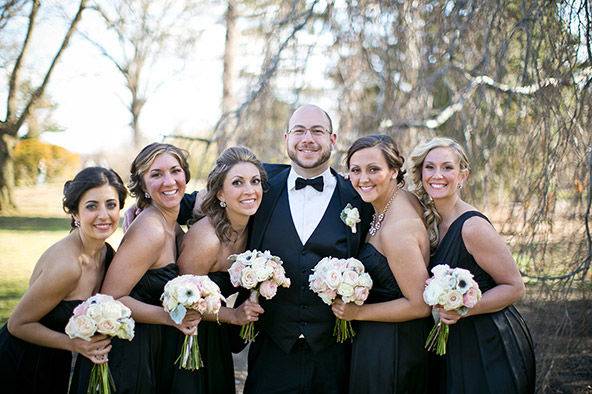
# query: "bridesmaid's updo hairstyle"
389,150
142,163
210,205
416,159
87,179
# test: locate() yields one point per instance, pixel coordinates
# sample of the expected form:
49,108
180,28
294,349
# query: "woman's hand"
247,312
189,324
448,317
96,350
345,311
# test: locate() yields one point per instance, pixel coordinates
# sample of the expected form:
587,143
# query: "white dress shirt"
308,205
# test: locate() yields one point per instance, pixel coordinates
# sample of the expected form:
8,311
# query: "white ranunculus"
432,292
440,270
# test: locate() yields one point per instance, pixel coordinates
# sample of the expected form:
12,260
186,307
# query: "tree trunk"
7,145
228,75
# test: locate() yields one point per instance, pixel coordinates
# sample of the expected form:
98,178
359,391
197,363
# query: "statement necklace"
377,219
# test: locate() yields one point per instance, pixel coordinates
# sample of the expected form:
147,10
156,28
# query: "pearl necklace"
377,219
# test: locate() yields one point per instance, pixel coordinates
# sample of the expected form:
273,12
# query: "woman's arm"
492,254
59,278
404,245
139,252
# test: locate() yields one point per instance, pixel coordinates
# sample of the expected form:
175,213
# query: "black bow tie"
317,183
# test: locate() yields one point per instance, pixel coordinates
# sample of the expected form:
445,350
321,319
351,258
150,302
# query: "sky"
90,93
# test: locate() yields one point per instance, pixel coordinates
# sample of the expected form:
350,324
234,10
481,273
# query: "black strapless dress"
29,368
145,364
488,353
387,357
217,342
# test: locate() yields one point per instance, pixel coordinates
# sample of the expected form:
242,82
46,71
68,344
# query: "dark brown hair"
87,179
389,150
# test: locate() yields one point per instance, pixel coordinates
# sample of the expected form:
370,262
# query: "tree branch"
40,90
11,102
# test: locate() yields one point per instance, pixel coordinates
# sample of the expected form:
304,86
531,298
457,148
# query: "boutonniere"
350,216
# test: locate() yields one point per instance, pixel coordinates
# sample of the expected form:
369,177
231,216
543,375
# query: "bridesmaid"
144,263
388,349
233,194
490,349
35,354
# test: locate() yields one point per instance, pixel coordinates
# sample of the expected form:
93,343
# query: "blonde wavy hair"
416,159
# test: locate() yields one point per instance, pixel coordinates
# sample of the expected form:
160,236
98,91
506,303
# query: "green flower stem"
343,330
190,357
437,338
100,381
247,332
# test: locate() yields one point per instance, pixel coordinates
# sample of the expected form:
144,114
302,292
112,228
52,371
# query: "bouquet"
259,272
334,277
199,293
455,290
104,315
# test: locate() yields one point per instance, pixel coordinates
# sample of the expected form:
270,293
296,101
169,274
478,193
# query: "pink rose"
333,279
268,289
471,297
361,294
81,309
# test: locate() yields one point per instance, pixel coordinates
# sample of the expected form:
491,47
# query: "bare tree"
141,32
16,116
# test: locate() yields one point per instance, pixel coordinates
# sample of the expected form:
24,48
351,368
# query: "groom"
299,221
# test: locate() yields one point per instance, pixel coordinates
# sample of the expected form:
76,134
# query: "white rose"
81,327
453,300
350,277
364,280
327,298
356,265
108,327
111,310
262,271
333,279
126,329
345,289
248,278
95,312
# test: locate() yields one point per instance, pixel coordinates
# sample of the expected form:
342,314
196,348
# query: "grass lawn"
25,235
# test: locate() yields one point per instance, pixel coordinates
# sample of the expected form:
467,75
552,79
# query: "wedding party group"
379,280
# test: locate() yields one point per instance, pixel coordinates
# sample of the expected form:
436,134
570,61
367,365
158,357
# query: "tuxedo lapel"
276,184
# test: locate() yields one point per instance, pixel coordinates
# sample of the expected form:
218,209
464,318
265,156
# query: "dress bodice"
452,251
151,285
384,284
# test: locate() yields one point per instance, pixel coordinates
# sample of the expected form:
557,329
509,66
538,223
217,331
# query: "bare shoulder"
61,260
477,226
148,227
403,233
203,234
